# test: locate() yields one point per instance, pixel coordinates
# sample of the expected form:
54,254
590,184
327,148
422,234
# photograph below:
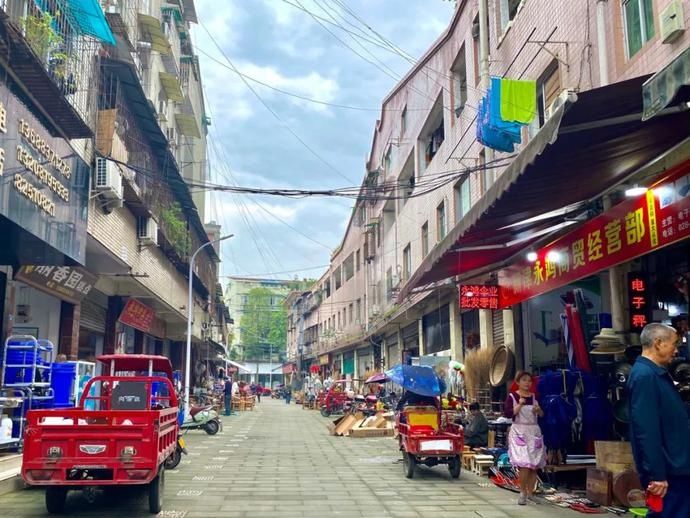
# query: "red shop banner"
137,315
630,229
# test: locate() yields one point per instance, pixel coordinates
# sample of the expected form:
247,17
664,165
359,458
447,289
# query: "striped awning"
663,87
152,32
187,125
171,87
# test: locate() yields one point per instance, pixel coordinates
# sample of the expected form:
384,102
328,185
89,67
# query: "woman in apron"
525,442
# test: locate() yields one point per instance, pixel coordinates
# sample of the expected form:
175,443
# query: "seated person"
414,399
477,430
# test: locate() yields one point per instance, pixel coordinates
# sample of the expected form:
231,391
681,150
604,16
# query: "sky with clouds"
255,137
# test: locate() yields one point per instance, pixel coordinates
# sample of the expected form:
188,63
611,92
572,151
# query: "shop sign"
45,184
477,296
630,229
324,359
68,283
639,302
137,315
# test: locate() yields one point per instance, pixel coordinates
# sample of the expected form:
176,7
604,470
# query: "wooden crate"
599,486
614,456
371,432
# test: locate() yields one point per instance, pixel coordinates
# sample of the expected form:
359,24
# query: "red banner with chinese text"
137,315
630,229
476,296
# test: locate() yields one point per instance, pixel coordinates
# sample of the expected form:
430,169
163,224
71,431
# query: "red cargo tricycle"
122,432
425,438
335,399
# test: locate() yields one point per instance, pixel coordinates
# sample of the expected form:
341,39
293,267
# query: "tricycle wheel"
211,427
454,467
325,412
156,492
174,459
55,499
409,463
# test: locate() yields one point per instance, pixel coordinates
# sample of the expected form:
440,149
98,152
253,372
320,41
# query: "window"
407,262
459,72
403,121
351,312
388,161
436,326
388,217
487,177
359,310
475,49
509,8
639,24
548,89
389,284
349,267
425,239
406,182
339,321
358,260
327,288
462,198
245,300
441,221
432,135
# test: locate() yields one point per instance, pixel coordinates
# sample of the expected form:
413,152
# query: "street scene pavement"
280,461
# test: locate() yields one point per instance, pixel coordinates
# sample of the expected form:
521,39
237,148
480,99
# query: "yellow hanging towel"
518,100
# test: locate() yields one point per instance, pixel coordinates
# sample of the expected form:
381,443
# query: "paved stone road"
279,461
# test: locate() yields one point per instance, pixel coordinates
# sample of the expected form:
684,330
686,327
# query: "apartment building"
438,209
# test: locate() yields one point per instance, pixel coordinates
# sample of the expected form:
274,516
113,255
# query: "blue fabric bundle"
557,421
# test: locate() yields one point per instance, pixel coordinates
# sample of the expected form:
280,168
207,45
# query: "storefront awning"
187,125
220,348
171,87
238,365
668,86
585,148
152,32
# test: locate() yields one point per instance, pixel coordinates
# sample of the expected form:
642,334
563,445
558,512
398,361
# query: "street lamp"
187,372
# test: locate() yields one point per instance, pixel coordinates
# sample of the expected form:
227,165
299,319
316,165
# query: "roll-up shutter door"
92,316
497,328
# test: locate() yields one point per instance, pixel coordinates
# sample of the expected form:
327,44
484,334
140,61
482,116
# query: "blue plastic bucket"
62,382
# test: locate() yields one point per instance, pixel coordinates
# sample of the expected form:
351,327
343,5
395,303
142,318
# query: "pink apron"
525,440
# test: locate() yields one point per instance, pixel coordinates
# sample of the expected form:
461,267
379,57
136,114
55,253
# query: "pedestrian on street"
659,423
227,395
258,390
288,395
525,440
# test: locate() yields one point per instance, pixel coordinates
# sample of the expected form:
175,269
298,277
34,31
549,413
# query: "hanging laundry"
518,100
487,135
512,130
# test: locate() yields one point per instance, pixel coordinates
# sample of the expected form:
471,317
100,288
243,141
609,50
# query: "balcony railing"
65,55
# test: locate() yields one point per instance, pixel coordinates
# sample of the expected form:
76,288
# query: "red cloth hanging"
577,337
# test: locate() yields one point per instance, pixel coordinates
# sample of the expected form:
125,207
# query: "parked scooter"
202,417
174,460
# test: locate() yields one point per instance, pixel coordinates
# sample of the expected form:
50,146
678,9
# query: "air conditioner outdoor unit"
107,179
162,111
672,22
147,230
565,95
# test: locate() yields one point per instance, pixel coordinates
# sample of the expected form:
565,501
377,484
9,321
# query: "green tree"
263,324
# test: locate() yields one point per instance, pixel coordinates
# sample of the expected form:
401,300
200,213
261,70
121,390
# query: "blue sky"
281,45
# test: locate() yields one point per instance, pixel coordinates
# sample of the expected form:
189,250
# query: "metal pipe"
187,371
601,43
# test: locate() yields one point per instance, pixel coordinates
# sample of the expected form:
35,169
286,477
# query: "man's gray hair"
653,331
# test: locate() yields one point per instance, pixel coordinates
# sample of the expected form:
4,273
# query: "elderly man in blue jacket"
659,423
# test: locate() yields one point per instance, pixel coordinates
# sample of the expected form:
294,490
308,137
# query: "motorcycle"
202,417
174,459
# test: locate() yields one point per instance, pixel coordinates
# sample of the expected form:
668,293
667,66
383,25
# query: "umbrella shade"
420,379
379,377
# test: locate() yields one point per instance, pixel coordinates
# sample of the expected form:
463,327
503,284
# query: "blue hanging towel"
487,135
512,130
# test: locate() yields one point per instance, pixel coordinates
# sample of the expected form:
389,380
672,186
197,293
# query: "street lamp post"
187,372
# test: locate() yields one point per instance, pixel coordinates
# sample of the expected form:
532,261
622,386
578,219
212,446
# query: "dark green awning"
660,90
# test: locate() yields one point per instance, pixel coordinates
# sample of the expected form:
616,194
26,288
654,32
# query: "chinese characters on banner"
630,229
473,296
137,315
638,301
68,283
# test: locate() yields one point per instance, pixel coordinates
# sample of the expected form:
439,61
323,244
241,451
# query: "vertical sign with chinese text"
639,303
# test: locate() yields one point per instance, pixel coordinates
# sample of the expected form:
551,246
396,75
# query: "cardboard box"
347,423
371,432
599,486
614,456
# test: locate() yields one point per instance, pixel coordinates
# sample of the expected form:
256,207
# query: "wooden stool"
481,463
467,458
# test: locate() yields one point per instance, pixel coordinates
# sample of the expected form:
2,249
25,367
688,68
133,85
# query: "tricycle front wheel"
325,412
409,463
454,466
156,492
55,499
